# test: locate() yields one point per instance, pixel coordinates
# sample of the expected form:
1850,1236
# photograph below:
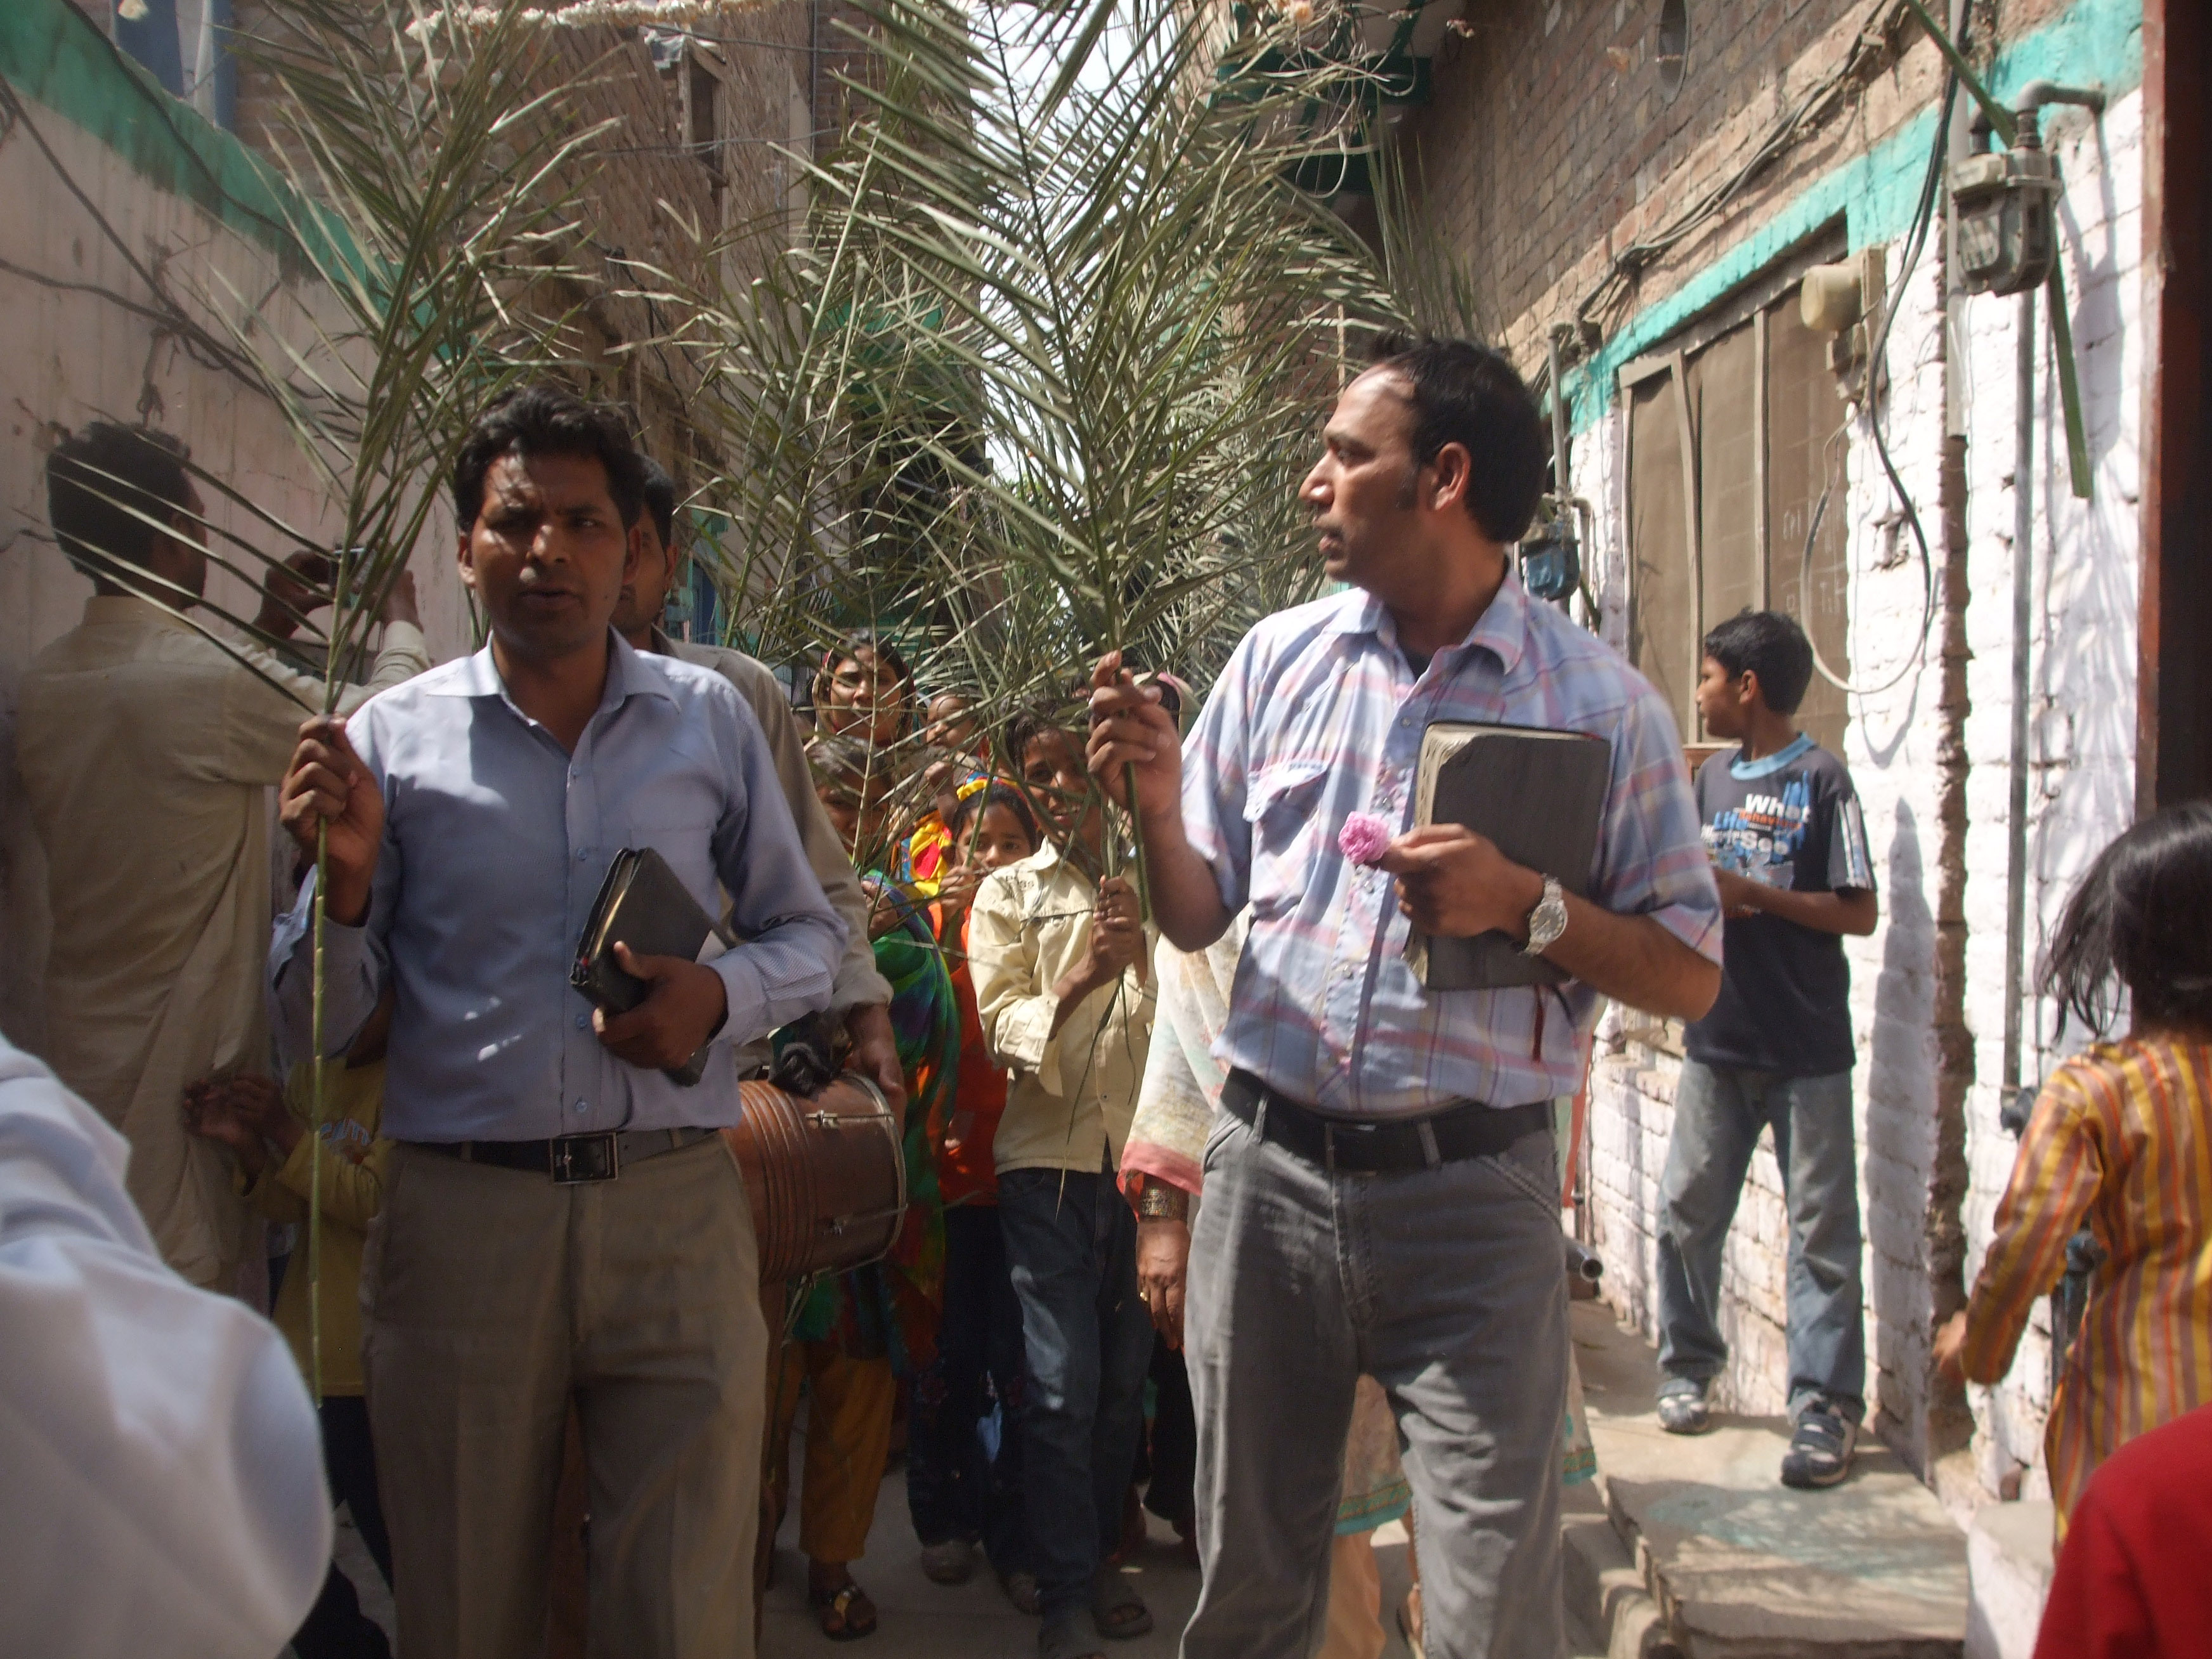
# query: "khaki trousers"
1355,1600
494,1297
848,1443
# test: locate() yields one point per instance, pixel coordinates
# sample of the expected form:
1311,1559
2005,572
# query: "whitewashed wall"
2082,732
2081,794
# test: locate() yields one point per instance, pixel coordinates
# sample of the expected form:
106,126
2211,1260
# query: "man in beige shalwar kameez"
147,752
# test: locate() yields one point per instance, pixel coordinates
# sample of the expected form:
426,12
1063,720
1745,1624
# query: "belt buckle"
577,1159
1330,1129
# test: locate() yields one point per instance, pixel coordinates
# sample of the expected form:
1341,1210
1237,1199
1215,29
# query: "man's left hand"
1454,883
1163,1273
687,1004
875,1053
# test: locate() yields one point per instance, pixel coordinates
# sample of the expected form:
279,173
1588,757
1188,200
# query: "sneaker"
1819,1452
1681,1408
952,1562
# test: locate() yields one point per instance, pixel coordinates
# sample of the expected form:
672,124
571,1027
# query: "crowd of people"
1215,1209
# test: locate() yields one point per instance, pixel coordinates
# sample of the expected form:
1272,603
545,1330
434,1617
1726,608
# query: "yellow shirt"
1070,1095
147,754
2121,1143
354,1157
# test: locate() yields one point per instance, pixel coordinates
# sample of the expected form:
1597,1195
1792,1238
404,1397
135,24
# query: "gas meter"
2006,204
1551,561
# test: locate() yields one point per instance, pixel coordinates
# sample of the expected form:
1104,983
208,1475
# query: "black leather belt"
1383,1146
571,1160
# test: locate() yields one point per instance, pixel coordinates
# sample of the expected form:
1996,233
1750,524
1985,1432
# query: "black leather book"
1540,795
641,904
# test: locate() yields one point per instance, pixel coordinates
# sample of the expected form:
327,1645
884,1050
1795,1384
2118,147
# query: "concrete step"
1733,1562
2009,1563
1610,1611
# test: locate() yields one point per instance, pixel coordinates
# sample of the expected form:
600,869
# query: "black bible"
644,905
1540,795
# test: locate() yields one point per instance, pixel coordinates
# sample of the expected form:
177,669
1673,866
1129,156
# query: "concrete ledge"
1606,1592
1738,1564
2009,1563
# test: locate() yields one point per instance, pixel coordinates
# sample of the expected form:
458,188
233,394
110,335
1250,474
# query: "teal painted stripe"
53,54
1874,193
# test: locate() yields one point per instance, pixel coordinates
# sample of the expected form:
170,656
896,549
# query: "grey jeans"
1446,1286
1718,1113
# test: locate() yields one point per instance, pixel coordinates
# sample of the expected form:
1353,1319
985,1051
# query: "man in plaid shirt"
1382,1190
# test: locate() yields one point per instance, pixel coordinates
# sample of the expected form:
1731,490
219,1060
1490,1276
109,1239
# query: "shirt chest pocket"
679,824
1283,808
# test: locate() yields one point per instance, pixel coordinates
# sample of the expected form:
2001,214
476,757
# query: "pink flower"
1364,838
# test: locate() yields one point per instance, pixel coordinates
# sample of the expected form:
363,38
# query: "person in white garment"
160,1477
147,752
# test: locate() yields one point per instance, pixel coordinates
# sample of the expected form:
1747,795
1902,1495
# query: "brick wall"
1550,128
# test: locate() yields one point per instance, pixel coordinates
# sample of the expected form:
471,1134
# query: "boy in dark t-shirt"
1790,852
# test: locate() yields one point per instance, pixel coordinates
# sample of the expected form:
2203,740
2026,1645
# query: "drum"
825,1176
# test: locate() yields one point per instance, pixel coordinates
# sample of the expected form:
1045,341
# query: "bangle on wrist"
1161,1201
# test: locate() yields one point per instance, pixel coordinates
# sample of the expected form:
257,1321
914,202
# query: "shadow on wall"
2083,750
1896,1145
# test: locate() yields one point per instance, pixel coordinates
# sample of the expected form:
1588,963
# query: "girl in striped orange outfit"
2121,1136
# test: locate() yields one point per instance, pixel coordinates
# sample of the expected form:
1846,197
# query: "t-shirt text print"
1788,820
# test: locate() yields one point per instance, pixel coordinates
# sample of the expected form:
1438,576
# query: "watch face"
1547,920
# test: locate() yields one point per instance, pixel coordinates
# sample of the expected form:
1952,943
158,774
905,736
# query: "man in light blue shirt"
561,1220
1381,1194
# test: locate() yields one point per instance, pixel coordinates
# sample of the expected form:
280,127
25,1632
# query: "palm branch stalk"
318,1116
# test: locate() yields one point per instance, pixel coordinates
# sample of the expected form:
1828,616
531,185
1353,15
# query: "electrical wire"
1811,113
1916,242
1822,99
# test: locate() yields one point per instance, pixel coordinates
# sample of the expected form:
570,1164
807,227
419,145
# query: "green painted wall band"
54,55
1874,193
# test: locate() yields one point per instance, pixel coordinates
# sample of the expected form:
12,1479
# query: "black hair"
97,484
974,805
658,491
1468,394
546,420
847,649
1771,645
1024,727
847,764
2139,916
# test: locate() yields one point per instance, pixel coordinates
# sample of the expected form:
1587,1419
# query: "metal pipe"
2038,95
2023,620
1559,485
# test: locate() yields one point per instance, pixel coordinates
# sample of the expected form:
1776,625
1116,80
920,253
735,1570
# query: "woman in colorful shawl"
1175,1107
850,1337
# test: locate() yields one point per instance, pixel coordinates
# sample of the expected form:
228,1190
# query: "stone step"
1733,1562
2009,1561
1610,1611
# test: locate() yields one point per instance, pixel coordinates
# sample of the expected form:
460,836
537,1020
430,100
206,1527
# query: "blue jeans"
1086,1339
1449,1286
954,1488
1718,1112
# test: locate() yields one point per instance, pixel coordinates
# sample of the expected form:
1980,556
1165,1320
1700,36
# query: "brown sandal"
847,1614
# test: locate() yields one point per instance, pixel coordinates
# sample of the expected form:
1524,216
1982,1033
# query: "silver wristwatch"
1547,920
